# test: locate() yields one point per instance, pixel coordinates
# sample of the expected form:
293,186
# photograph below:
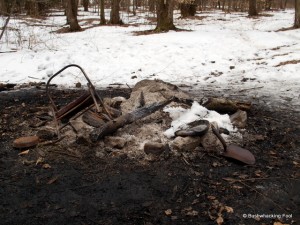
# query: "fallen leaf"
168,212
229,209
210,197
195,201
216,202
52,180
258,173
27,162
215,164
46,166
187,209
39,160
24,152
296,164
237,187
219,220
192,213
243,176
229,179
272,152
279,223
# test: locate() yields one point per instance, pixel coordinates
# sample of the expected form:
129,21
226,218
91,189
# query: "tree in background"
36,8
5,7
297,14
115,12
187,8
8,11
85,4
164,15
252,8
151,5
102,12
268,4
71,12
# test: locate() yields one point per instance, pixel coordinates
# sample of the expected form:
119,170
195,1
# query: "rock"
186,143
211,143
78,125
231,67
47,134
26,142
155,148
153,91
82,139
239,119
114,102
115,142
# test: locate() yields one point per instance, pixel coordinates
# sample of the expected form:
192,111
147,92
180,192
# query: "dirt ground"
58,184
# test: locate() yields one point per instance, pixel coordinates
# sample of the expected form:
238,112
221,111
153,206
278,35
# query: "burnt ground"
200,188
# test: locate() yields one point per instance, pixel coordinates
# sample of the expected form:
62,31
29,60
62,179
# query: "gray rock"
239,119
186,143
115,142
211,143
153,91
155,148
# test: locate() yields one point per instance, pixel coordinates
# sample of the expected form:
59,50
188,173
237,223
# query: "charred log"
113,125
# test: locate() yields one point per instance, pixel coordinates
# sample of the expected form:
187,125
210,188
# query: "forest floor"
207,189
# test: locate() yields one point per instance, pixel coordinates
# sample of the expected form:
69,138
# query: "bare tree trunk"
223,5
71,11
102,13
9,10
268,4
4,7
42,8
134,7
297,14
151,4
85,4
252,8
285,2
31,8
4,27
187,9
282,4
165,15
115,12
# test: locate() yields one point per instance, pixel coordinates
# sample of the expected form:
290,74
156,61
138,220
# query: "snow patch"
181,117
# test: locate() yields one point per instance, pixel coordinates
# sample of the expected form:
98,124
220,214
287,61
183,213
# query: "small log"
223,106
93,119
113,125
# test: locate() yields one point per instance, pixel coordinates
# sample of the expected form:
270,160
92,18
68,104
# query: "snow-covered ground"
225,51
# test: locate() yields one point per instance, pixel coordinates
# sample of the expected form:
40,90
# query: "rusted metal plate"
196,128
